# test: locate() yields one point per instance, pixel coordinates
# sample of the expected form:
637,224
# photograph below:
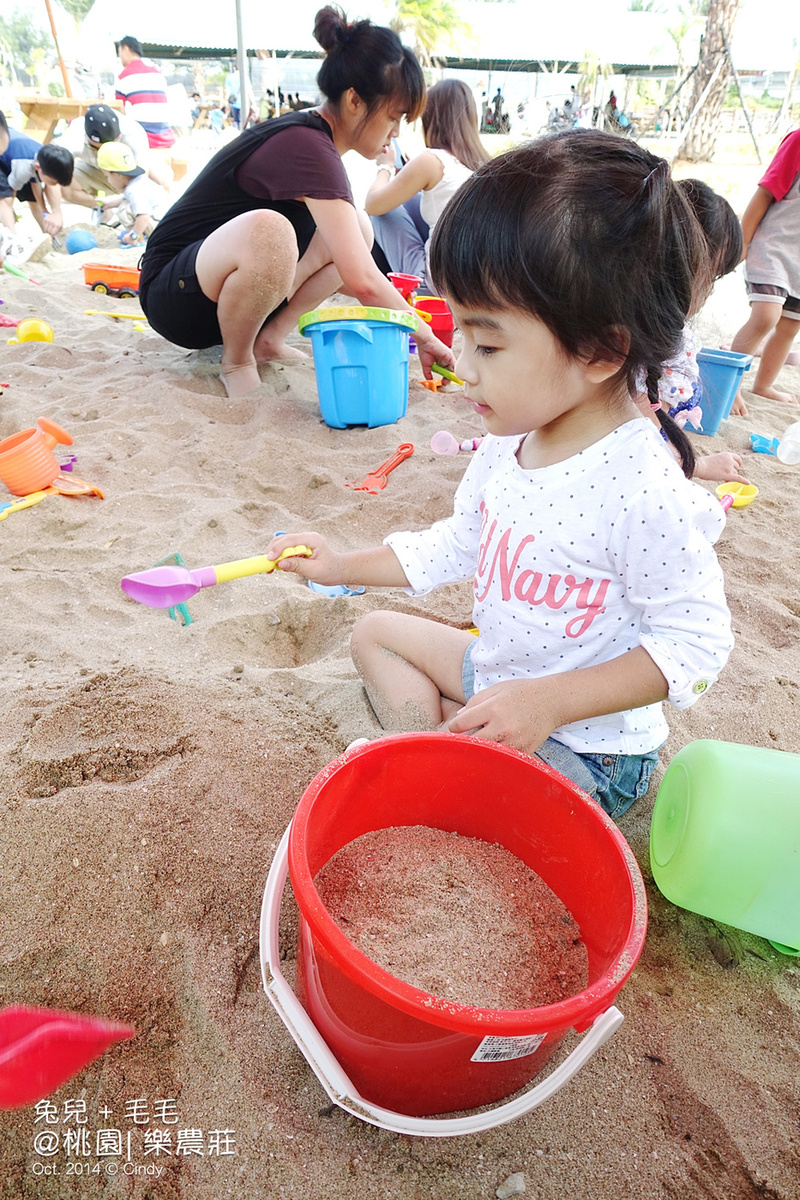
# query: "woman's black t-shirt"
268,166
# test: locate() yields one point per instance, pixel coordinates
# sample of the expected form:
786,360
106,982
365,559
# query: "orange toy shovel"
376,480
41,1048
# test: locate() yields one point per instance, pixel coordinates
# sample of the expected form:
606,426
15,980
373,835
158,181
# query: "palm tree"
433,24
77,9
709,84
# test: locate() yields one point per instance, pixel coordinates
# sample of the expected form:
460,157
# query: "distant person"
142,202
454,151
611,112
269,229
84,137
143,89
771,231
233,92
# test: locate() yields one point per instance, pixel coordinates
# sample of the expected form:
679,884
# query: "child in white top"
569,265
142,202
450,128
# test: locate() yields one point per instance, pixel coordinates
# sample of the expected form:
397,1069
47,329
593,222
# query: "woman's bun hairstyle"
371,60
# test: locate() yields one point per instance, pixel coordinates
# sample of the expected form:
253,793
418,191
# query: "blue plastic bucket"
720,373
361,361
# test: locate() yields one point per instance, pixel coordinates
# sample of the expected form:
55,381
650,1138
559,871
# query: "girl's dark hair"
587,232
57,162
719,224
369,58
450,122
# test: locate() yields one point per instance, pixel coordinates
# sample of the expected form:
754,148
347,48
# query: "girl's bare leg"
246,267
411,668
773,357
764,316
315,279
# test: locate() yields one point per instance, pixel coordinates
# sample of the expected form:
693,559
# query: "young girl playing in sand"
570,265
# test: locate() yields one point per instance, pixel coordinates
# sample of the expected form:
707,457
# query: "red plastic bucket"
402,1048
441,318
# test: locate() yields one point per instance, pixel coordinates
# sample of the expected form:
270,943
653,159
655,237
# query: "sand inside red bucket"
456,916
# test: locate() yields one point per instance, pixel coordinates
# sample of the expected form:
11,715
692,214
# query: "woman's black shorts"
176,306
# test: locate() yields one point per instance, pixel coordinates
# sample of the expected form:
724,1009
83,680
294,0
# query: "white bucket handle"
337,1084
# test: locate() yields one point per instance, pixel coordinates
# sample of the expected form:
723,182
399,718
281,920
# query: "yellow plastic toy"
32,330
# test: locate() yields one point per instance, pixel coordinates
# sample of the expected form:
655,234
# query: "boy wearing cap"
140,203
84,137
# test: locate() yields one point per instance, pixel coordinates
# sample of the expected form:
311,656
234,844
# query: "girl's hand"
325,565
520,713
386,158
719,468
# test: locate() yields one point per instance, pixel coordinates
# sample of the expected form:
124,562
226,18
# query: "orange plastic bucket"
441,318
27,462
402,1048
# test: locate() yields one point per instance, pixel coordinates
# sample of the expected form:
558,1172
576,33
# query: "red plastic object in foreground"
41,1048
402,1048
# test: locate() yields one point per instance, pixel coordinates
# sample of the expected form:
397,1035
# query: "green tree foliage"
77,9
20,37
433,24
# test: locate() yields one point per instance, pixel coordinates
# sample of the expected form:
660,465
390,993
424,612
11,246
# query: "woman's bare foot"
239,380
267,349
771,393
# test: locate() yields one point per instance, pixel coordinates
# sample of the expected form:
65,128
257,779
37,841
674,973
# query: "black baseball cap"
101,123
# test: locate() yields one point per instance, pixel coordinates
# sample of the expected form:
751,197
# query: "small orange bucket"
27,462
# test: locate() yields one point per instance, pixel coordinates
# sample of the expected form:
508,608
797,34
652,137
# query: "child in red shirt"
771,231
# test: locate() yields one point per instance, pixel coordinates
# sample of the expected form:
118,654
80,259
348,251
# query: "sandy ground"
147,771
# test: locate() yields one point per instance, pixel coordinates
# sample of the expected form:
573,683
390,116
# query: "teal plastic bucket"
361,362
725,838
720,374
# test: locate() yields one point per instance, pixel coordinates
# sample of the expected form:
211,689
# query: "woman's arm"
338,225
754,215
387,193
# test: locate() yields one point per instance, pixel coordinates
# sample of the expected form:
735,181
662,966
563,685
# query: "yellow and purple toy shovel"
163,587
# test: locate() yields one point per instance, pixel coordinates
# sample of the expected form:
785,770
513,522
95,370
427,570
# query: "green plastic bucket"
725,838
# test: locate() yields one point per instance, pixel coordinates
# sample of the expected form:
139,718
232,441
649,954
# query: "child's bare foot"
239,380
738,408
771,393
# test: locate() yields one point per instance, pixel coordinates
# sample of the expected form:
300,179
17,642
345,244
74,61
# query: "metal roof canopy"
532,66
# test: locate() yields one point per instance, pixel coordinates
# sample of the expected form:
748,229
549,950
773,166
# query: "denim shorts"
613,780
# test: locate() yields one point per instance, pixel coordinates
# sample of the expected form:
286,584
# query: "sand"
148,770
461,918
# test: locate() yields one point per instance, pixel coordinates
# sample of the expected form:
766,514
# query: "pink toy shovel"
163,587
41,1048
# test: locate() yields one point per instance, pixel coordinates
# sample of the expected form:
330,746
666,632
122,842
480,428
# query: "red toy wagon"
113,281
